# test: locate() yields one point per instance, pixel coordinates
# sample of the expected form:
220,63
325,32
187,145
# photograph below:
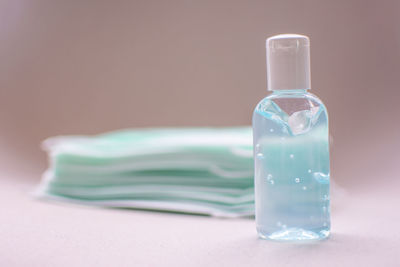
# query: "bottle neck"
290,92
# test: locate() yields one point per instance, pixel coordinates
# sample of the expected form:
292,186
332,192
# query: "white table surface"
365,232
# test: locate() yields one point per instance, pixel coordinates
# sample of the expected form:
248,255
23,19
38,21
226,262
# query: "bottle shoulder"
292,102
296,113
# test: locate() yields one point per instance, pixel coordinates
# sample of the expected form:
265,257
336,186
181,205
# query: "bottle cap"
288,62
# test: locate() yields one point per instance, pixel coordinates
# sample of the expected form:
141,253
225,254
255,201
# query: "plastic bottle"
291,148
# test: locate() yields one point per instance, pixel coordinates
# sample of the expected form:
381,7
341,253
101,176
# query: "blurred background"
86,67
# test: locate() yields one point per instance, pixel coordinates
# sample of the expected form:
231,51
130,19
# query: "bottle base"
294,234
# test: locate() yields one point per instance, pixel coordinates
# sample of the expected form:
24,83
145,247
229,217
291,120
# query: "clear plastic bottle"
291,148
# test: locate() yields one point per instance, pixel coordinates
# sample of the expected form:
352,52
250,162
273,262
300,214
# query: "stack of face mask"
190,170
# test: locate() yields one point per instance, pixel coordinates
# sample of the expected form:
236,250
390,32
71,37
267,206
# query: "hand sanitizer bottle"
291,148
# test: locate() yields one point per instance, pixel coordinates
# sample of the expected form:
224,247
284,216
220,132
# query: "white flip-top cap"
288,62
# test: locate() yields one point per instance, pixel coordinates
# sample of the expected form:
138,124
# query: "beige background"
85,67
